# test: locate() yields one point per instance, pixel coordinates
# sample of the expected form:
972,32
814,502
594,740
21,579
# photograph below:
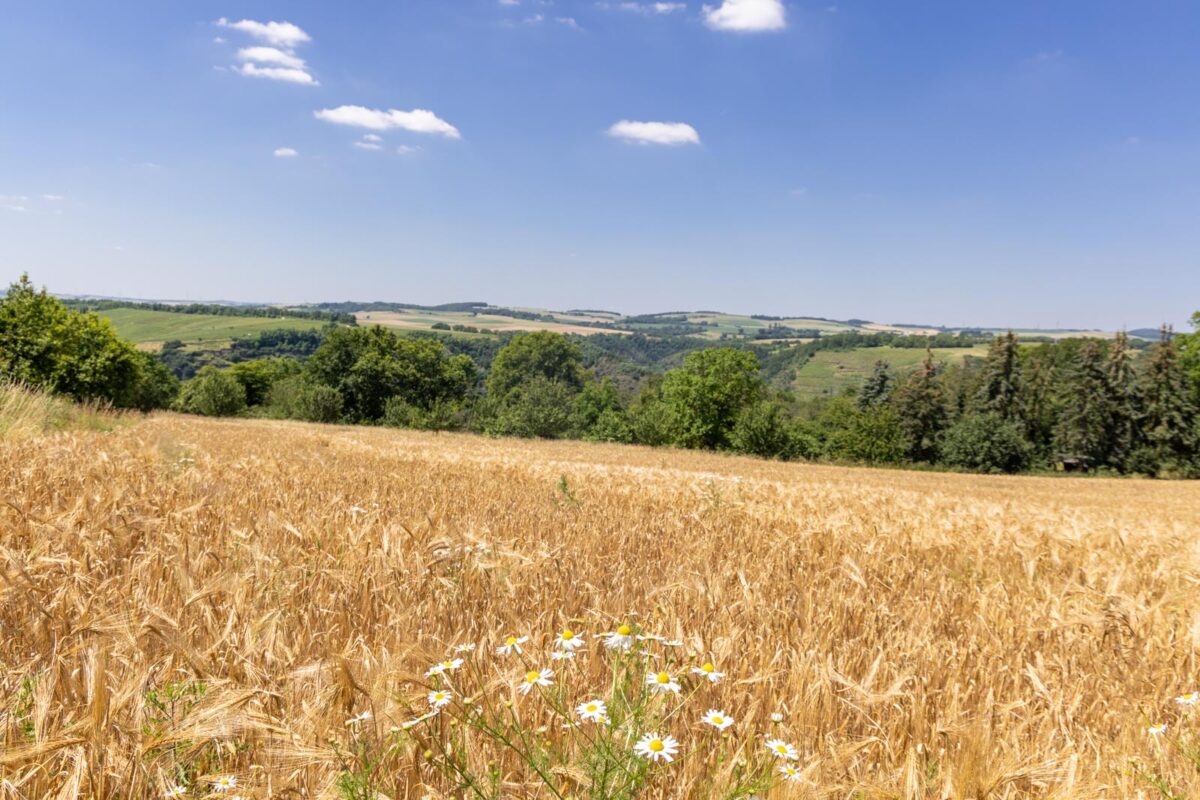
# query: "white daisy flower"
662,682
534,678
1157,730
468,647
650,637
717,719
620,639
790,773
440,699
592,711
224,783
656,748
570,640
358,719
1190,699
511,645
781,749
449,665
709,673
562,655
776,717
176,791
673,642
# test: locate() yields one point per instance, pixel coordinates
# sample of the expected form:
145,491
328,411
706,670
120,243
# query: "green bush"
442,415
872,437
761,430
539,407
986,443
212,393
611,426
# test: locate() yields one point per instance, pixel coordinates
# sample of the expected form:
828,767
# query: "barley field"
201,608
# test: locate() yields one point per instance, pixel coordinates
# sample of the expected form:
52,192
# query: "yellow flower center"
568,635
624,630
663,677
447,665
656,745
531,677
592,707
718,720
510,641
708,668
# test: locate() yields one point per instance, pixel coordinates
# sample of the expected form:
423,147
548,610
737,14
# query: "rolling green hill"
150,328
832,371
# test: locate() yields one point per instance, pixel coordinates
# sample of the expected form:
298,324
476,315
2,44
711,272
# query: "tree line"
1082,403
217,309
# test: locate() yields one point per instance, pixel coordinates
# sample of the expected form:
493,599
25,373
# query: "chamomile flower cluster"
499,688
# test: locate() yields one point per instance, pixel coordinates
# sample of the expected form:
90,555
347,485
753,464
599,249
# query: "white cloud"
286,152
372,137
649,8
408,149
277,74
14,202
271,55
670,133
53,198
281,34
369,144
510,2
418,120
746,16
569,22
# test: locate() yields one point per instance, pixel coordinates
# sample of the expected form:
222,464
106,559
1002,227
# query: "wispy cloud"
280,34
271,55
286,152
746,16
277,74
667,133
418,120
647,9
53,198
14,202
370,141
408,149
569,22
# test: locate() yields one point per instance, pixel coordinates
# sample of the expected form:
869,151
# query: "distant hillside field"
416,319
829,372
150,328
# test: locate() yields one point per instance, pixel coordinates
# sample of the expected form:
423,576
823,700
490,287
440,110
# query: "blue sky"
1021,163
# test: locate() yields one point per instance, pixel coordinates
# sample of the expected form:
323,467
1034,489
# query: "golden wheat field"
248,608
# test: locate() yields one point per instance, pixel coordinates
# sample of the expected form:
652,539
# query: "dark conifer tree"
878,388
1000,381
1039,401
921,405
1124,402
1170,417
1085,424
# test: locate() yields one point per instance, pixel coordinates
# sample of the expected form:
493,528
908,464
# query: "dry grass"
190,597
27,412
